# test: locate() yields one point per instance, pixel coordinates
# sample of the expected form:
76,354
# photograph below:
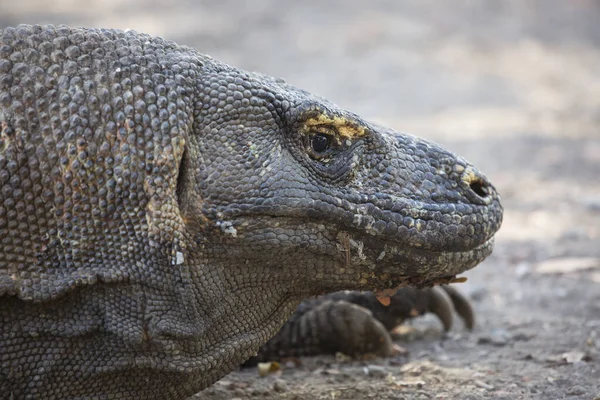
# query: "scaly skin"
162,214
357,323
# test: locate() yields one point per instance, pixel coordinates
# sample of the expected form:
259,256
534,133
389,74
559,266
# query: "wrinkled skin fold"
162,213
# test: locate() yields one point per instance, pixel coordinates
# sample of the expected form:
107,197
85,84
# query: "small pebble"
576,391
482,384
280,386
523,269
497,337
592,203
376,371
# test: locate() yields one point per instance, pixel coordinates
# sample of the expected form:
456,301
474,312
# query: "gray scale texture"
357,323
162,214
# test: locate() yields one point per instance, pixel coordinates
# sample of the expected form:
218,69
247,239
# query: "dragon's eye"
320,142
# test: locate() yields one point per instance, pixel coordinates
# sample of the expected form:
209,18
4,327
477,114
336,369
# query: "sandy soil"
514,87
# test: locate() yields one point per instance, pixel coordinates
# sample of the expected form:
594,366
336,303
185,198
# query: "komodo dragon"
162,214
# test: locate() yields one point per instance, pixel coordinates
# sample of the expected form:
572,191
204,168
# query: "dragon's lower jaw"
443,268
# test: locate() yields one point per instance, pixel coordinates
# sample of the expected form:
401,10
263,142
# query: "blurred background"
513,86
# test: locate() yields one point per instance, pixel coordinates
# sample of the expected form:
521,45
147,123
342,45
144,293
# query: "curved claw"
440,303
462,306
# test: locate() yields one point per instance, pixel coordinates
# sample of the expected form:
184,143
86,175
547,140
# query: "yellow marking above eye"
343,128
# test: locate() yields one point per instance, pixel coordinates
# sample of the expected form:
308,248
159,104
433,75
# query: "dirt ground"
514,86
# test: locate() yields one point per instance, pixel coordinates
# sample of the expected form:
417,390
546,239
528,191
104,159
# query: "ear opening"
182,188
188,198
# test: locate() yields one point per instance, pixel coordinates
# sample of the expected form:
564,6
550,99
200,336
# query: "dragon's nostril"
480,187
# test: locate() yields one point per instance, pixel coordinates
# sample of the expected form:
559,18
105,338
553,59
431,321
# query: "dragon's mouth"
362,247
436,228
433,268
377,263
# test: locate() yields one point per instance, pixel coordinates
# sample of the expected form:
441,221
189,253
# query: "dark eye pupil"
319,142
